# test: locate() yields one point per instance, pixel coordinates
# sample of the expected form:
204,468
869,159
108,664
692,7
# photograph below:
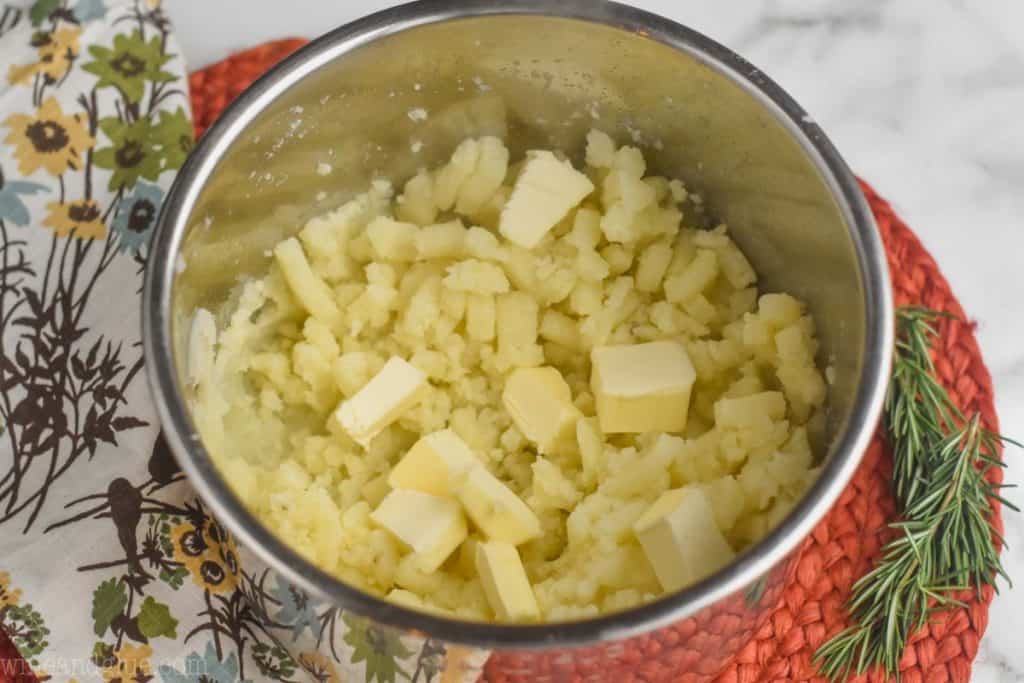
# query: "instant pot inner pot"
407,99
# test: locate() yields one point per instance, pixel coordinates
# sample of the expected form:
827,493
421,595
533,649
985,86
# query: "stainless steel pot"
540,72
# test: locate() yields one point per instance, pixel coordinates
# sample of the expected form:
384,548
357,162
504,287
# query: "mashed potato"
438,276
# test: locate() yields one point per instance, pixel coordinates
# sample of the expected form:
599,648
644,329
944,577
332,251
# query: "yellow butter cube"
642,387
546,190
434,465
681,539
505,583
495,509
540,403
431,526
392,391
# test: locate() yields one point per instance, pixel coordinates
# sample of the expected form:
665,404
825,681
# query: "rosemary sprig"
946,541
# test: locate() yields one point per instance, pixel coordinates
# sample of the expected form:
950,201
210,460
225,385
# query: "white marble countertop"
922,97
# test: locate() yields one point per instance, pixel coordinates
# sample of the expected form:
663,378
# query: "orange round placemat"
847,541
844,545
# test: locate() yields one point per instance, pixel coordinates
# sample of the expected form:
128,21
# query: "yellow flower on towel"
208,554
80,218
57,52
48,139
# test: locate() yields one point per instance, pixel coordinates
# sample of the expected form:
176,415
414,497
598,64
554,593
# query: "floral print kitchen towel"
109,567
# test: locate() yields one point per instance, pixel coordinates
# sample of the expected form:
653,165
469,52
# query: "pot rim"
753,563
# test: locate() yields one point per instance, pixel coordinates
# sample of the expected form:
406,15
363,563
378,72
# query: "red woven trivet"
844,545
846,542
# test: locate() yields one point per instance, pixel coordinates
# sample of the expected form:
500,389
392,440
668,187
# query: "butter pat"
392,391
540,403
681,539
547,189
434,465
431,526
505,583
495,509
642,387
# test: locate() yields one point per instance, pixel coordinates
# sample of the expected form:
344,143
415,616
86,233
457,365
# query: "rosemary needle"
946,542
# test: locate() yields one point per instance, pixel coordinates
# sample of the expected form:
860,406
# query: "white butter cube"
392,391
495,509
540,403
505,583
434,465
547,189
431,526
681,539
309,289
642,387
